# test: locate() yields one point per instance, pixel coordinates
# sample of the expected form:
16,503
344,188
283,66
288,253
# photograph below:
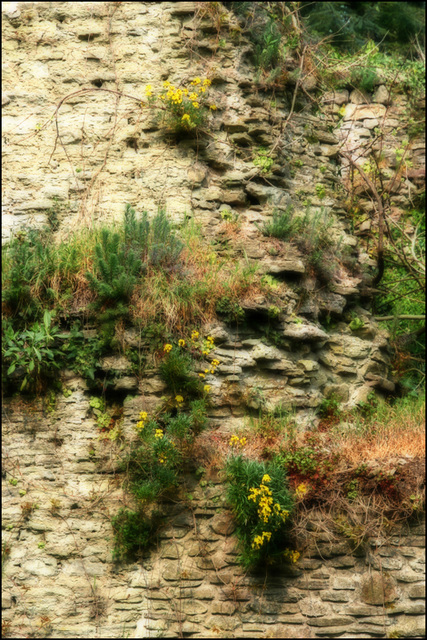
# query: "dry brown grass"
187,296
397,431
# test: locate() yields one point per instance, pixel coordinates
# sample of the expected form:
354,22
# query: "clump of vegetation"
133,533
283,225
262,505
31,355
183,109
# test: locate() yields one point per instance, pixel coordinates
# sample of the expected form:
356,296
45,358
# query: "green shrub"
28,262
329,407
282,226
115,270
176,370
230,310
262,505
133,532
165,247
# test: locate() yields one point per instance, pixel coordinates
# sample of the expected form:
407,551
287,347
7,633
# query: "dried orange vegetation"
395,431
188,294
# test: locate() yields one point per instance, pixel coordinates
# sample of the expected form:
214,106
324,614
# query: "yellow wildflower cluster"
159,433
301,490
142,419
194,335
179,399
292,555
214,364
162,458
185,102
235,441
181,343
208,346
167,348
259,540
207,388
266,505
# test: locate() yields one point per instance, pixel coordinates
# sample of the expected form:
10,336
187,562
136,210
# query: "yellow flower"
162,459
206,388
143,415
196,81
292,555
202,89
193,96
213,107
185,117
159,433
181,342
167,348
166,84
142,105
179,399
139,425
206,82
266,478
185,92
234,440
301,489
148,90
206,370
196,105
205,353
201,375
210,339
215,363
243,442
194,335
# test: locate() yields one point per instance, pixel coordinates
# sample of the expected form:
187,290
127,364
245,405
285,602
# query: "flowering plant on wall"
184,108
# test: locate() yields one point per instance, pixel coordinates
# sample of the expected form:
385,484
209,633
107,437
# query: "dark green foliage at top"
352,24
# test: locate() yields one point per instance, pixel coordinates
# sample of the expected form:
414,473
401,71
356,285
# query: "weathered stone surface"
382,95
304,332
378,588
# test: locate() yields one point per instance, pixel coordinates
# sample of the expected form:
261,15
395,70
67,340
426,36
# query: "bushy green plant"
176,370
329,407
28,262
82,355
31,354
230,310
262,506
115,270
165,247
133,532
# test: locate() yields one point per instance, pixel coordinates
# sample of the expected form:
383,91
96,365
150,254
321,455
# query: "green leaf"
31,365
38,354
11,368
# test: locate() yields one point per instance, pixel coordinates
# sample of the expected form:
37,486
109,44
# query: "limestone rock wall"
107,151
61,488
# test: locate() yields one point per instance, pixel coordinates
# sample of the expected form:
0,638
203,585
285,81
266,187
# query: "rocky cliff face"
100,151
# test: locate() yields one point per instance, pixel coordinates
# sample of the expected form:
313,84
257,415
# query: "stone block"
378,588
